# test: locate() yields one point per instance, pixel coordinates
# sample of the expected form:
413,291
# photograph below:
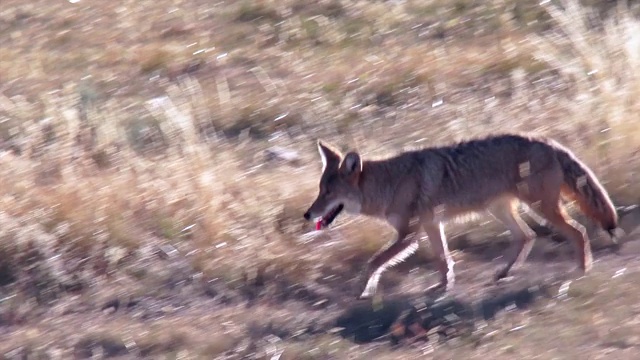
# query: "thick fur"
425,188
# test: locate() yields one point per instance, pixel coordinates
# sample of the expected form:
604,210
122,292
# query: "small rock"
111,306
168,309
168,251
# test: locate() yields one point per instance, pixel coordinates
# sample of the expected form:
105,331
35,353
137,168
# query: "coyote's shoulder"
432,184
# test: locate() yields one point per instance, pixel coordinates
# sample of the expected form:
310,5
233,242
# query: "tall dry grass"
97,182
600,58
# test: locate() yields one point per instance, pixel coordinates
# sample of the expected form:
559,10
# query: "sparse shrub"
255,10
152,60
144,134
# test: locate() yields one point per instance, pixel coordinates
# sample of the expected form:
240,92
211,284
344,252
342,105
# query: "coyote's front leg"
444,261
393,253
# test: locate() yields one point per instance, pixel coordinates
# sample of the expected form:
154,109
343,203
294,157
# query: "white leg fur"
372,283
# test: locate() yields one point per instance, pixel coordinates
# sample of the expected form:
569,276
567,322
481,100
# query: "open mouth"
329,217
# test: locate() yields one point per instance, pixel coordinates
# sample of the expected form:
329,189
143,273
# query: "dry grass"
135,132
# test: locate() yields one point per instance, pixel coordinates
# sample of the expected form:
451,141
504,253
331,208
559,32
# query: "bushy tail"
583,186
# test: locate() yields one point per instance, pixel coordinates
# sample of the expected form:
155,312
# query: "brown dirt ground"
544,311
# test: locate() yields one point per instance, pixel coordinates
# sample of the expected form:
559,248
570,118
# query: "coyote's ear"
329,156
351,165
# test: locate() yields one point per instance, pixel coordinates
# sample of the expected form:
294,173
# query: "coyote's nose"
307,216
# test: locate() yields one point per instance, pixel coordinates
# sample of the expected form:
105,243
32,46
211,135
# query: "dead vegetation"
138,164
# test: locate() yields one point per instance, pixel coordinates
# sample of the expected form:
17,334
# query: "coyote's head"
338,185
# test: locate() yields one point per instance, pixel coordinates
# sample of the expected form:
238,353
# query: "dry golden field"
156,157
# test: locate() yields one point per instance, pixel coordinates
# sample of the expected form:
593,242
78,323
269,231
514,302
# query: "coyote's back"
472,174
432,185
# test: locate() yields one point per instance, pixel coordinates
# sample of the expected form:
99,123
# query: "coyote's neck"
374,187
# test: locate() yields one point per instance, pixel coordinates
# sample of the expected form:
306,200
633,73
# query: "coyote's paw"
365,291
502,274
441,288
365,295
588,264
368,285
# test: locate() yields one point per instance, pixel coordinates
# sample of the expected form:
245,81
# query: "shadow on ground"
416,315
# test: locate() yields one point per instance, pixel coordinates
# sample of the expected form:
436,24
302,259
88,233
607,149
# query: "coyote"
424,188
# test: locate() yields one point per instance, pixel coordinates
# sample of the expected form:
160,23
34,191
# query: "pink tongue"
319,224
